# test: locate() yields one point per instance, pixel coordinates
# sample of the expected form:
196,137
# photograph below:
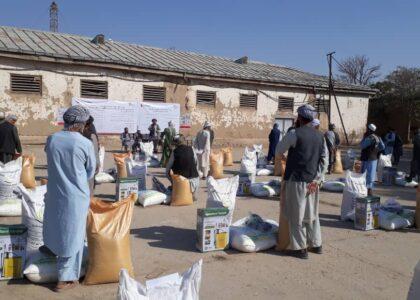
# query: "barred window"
94,89
153,93
322,105
206,98
246,100
285,104
26,83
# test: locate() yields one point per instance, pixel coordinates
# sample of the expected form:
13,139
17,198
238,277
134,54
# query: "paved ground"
355,264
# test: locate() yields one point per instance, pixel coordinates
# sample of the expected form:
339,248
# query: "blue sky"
291,33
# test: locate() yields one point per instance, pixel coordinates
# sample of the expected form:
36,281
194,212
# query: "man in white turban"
71,163
202,147
306,164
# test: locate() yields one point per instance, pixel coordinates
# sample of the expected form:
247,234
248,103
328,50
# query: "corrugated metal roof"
67,46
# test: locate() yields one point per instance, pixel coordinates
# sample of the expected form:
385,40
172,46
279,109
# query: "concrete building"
40,72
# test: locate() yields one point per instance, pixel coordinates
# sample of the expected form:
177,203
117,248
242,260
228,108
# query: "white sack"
137,169
383,161
170,287
151,197
264,189
147,149
333,186
414,291
222,193
101,158
249,162
103,177
355,187
264,172
10,205
393,221
246,239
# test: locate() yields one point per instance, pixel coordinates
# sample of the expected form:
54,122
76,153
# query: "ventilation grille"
206,98
94,89
285,104
26,83
248,101
152,93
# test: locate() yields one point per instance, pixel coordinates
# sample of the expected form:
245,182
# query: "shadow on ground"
168,237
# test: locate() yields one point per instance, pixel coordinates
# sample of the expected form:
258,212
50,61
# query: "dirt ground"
355,264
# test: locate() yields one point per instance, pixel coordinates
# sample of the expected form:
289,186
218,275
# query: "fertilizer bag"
249,162
222,193
216,165
151,197
355,187
119,159
27,176
10,204
394,221
108,235
338,165
227,156
147,149
173,286
181,191
246,237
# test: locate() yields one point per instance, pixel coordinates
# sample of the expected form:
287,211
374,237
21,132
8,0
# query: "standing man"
202,149
89,132
273,139
306,164
169,134
333,141
398,149
389,141
415,161
371,145
154,134
10,145
71,163
126,139
138,137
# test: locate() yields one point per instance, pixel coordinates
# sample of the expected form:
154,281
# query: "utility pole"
54,17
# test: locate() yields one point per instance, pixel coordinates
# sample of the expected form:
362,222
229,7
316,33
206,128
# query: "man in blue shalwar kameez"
71,163
371,145
273,139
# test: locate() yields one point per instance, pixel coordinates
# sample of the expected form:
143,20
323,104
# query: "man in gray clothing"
306,164
333,141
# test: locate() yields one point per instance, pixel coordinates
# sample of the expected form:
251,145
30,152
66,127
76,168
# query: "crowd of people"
73,161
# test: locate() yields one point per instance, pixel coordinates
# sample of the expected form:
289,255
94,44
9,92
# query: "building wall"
61,82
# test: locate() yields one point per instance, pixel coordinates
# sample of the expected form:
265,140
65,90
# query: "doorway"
284,125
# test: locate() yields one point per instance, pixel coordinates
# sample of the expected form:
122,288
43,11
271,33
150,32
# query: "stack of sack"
393,216
355,187
10,173
253,234
103,177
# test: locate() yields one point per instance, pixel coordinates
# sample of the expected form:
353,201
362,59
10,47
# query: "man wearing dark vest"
307,162
183,161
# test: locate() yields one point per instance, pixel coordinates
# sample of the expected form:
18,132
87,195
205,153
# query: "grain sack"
103,177
355,187
147,149
227,156
279,165
264,172
222,193
338,166
249,162
174,286
393,221
246,237
137,169
10,204
283,238
108,235
216,165
101,158
27,177
383,161
119,159
181,191
151,197
417,218
262,189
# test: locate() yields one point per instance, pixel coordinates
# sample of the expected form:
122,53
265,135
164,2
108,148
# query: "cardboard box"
367,213
12,251
125,187
212,229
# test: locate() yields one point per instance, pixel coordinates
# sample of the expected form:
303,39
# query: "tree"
357,70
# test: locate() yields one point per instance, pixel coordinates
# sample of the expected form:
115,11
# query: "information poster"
162,112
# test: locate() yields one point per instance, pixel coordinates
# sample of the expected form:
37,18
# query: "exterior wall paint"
61,82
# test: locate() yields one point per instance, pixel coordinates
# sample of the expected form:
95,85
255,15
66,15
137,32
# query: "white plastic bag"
333,186
249,162
393,221
414,291
137,169
151,197
101,158
265,172
222,193
103,177
33,217
247,239
174,286
355,187
383,161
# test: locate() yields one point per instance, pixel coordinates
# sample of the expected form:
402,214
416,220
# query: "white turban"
11,118
306,111
207,124
372,127
76,114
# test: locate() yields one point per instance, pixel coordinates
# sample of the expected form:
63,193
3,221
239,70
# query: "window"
94,89
206,98
246,100
26,83
285,104
153,93
322,105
